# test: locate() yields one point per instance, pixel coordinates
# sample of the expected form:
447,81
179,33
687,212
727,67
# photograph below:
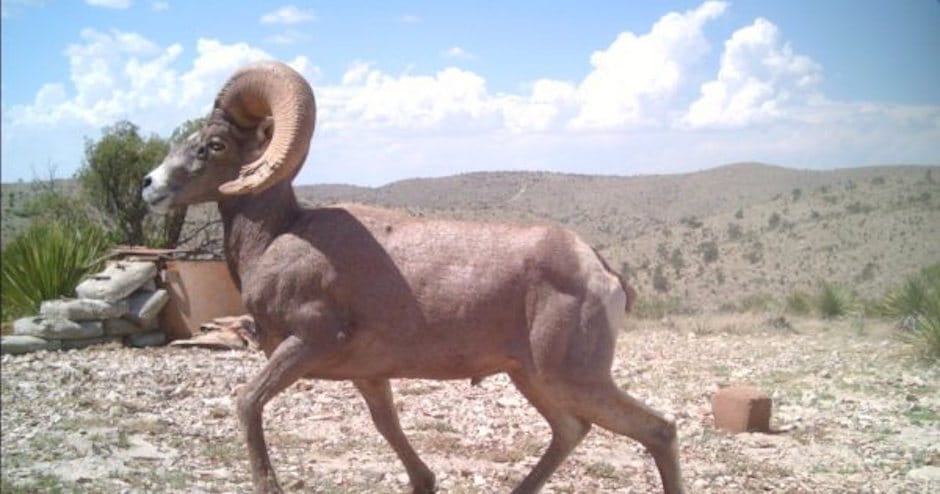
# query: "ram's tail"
631,293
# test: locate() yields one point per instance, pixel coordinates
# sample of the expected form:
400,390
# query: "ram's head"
258,134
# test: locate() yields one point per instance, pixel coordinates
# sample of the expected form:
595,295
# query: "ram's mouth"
159,203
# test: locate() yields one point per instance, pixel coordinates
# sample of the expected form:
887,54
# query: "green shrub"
799,303
912,297
925,335
658,307
917,304
46,262
709,251
834,301
756,302
660,284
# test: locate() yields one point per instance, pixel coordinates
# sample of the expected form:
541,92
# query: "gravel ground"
854,413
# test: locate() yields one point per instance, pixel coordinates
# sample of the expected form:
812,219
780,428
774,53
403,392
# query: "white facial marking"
156,192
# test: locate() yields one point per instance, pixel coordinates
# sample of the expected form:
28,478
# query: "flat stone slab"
150,338
145,306
20,344
83,309
117,281
121,327
56,328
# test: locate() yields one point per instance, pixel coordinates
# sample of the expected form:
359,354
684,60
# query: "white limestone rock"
117,281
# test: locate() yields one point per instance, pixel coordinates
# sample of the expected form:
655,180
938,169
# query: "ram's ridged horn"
270,89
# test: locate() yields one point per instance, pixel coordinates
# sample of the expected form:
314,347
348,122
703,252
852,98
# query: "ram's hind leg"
378,396
567,431
604,404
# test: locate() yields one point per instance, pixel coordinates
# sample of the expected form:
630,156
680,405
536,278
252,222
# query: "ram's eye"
216,146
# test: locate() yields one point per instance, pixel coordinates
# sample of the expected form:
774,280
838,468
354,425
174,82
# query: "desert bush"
691,222
914,295
773,221
799,302
709,251
677,261
660,284
734,231
757,302
658,307
916,303
924,337
46,262
834,301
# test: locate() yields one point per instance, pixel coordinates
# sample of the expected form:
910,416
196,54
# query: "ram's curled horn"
270,89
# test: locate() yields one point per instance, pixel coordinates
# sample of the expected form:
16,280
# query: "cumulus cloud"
642,103
160,6
120,74
635,72
288,14
110,4
760,79
458,53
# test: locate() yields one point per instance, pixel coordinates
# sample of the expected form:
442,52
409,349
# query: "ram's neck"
252,222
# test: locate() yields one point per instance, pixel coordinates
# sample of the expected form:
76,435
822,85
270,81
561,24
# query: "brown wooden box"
742,409
199,292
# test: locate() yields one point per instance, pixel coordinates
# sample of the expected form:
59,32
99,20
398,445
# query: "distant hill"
717,238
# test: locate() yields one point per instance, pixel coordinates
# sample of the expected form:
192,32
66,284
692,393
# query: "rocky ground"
854,412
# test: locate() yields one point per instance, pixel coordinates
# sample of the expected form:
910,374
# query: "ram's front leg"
290,361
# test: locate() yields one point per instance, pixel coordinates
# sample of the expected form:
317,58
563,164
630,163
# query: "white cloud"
643,105
409,19
9,8
160,6
110,4
636,72
288,37
289,14
458,53
760,79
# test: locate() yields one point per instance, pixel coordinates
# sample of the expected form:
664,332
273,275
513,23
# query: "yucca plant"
914,295
917,304
834,301
925,334
46,262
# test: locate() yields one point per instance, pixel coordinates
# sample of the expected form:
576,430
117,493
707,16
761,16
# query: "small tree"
111,178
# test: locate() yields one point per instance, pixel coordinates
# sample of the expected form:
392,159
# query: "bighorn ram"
366,294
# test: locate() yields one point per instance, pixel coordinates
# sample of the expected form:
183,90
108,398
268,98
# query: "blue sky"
409,89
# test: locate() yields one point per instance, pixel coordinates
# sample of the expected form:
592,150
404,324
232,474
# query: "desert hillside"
728,237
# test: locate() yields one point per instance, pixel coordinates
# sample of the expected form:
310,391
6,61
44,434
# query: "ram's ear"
265,132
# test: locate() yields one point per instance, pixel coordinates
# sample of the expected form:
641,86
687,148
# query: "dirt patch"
856,414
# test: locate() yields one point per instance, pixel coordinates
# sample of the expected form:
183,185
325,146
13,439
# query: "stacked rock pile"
121,304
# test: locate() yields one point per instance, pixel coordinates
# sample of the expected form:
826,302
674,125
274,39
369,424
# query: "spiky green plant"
834,301
46,262
917,304
913,296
